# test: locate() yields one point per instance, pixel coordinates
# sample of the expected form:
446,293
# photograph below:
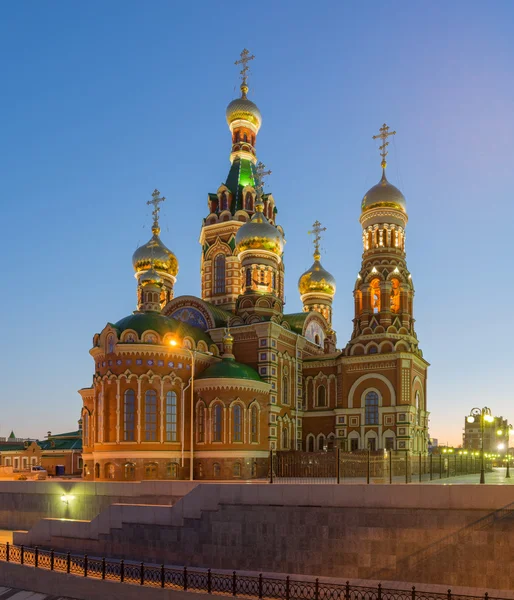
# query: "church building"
205,388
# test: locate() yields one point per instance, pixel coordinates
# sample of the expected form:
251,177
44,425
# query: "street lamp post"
506,433
485,416
192,354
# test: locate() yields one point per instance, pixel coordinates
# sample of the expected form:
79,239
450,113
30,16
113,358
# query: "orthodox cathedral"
205,388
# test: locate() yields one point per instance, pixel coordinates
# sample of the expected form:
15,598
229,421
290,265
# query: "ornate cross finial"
383,135
260,173
244,60
317,229
155,201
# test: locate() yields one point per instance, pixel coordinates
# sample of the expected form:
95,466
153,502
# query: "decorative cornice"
225,383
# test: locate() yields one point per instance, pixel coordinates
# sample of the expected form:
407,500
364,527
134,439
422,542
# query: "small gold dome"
150,277
155,255
259,234
317,279
384,195
242,108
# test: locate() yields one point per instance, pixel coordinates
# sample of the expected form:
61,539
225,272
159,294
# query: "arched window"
236,469
237,425
310,443
172,470
217,423
216,469
248,201
254,422
375,295
321,442
317,339
109,471
97,471
224,201
219,274
110,344
245,138
418,408
285,438
371,408
100,418
151,416
129,407
254,469
248,280
201,422
395,296
171,416
273,281
151,471
285,390
322,396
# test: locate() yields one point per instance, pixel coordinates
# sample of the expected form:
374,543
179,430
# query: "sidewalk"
497,477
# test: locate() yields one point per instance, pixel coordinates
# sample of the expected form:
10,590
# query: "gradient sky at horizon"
104,101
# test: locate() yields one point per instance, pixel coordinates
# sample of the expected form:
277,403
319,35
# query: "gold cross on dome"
155,201
383,135
317,229
244,60
260,173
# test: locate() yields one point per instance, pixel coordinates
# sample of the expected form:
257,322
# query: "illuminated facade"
263,379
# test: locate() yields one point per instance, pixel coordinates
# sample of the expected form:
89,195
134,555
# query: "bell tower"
234,203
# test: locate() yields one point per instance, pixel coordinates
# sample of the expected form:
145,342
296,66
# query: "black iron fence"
393,466
196,580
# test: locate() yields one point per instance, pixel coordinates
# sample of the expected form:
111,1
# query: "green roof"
161,324
221,317
296,321
70,434
18,446
61,444
228,368
12,436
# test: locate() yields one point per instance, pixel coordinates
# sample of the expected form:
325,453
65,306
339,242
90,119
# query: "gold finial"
155,201
383,135
260,173
317,230
244,60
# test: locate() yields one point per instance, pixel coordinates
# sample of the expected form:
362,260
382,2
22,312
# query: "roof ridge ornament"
244,60
317,230
383,135
155,201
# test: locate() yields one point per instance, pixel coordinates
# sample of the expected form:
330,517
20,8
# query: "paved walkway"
13,594
497,477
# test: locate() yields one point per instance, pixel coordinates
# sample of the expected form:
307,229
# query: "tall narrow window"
321,443
375,295
254,423
285,438
371,408
201,423
171,416
219,274
418,408
248,201
129,404
100,418
110,344
85,432
217,415
224,201
248,278
237,416
285,394
322,396
151,416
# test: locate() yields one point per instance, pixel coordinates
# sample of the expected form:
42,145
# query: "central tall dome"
235,203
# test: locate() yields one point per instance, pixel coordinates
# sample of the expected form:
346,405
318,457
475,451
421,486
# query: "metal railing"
198,580
367,466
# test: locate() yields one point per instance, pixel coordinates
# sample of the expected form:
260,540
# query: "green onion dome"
228,368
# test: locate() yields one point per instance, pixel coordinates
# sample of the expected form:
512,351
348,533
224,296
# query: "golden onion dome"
384,195
242,108
155,255
317,279
150,277
259,234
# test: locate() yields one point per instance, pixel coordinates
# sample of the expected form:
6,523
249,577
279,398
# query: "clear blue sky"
102,102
